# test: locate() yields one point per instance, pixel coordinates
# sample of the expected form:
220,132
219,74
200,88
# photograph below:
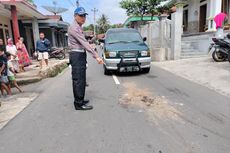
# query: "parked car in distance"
125,51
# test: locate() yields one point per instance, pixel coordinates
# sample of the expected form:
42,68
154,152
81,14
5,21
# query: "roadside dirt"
157,107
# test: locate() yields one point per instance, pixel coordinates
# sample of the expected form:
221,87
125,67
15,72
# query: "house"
198,15
199,26
11,15
54,27
20,18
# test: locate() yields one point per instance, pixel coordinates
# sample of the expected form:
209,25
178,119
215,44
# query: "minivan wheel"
145,70
106,72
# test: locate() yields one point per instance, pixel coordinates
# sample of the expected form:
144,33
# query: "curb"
29,80
53,71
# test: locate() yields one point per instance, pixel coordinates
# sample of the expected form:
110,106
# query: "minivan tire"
106,72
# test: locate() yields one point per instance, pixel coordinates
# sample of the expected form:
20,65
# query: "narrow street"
133,113
179,102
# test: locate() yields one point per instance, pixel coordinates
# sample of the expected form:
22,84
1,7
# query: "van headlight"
145,53
110,54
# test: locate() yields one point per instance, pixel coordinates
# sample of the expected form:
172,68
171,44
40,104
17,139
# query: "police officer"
79,45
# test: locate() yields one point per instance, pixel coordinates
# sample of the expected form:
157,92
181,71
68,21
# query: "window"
2,35
7,33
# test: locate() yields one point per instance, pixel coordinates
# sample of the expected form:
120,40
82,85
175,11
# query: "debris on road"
157,107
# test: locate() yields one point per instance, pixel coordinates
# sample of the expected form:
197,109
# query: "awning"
139,18
48,24
25,9
53,23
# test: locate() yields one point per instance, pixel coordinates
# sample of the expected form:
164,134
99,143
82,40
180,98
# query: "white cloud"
112,9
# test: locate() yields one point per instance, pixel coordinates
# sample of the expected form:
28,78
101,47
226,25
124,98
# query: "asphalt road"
133,113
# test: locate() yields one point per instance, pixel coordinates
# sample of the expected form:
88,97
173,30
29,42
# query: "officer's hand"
99,60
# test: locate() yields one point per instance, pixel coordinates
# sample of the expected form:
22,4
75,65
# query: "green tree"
167,6
131,6
141,7
88,28
116,26
31,1
103,24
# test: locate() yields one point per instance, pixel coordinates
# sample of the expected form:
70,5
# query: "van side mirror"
144,39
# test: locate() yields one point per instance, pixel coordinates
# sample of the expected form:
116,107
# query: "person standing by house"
23,55
42,47
220,19
79,45
3,73
12,50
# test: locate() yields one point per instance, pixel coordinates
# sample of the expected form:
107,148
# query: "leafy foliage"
145,7
88,28
31,1
103,24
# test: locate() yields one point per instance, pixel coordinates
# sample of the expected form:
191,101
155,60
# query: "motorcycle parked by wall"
220,49
57,53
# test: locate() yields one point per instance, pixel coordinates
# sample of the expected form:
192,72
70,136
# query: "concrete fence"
158,34
164,36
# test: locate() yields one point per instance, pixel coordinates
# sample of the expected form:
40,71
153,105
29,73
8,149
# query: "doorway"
203,17
185,20
2,36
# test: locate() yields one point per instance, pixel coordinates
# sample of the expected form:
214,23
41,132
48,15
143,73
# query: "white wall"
193,7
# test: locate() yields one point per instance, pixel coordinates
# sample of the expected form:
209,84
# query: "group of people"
13,60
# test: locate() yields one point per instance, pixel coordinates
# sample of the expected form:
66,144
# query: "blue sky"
109,7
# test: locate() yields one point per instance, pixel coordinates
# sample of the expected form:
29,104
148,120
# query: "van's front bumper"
113,64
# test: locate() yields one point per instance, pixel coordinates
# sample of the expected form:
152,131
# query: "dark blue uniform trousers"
78,63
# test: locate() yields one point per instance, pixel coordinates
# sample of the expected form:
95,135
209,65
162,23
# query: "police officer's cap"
80,11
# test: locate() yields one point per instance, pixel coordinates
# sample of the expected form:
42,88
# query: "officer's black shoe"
82,107
87,85
85,102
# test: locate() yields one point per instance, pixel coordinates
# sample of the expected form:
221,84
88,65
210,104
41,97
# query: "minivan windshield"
123,37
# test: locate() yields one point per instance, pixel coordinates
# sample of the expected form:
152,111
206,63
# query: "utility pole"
77,3
94,16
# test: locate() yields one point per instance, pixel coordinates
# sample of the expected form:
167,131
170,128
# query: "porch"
12,13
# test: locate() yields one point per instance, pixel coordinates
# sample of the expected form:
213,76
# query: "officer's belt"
78,50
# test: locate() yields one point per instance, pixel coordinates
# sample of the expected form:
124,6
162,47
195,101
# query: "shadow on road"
128,74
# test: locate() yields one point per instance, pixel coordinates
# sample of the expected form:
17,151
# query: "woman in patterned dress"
23,55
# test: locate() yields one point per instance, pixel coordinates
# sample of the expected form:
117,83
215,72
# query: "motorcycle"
57,53
220,49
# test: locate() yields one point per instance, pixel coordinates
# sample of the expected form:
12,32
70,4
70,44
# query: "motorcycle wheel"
60,56
217,57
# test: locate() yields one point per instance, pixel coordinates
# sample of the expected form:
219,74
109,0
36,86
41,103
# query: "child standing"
11,74
3,73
